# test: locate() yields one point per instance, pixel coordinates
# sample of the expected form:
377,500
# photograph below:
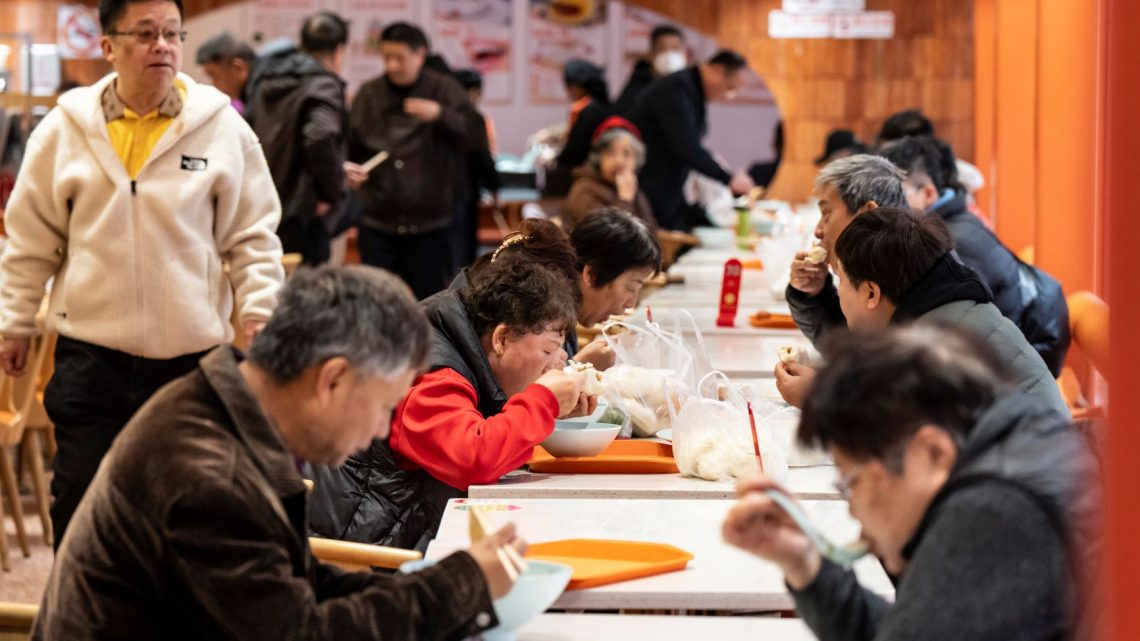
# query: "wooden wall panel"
821,85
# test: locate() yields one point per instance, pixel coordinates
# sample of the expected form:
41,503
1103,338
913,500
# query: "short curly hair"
522,294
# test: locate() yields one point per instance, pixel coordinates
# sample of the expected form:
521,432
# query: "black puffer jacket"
299,115
371,499
981,251
999,551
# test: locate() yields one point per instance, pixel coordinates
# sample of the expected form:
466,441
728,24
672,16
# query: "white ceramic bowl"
715,237
578,439
535,591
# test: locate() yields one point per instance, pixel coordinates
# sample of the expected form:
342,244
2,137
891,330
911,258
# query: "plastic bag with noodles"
712,438
648,356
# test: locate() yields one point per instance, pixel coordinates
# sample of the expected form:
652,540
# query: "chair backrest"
16,620
359,557
1088,322
291,262
18,394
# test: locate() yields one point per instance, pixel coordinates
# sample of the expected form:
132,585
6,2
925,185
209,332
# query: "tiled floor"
25,582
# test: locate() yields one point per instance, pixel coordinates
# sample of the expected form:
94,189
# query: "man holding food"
424,122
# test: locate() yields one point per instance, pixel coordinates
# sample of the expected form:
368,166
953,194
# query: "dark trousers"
92,395
424,261
310,239
464,233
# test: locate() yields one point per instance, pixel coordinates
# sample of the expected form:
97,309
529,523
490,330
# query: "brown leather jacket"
195,528
590,191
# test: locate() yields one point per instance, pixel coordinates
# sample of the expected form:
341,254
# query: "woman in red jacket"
493,389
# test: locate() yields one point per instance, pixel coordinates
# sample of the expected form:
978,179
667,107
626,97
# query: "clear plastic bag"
782,422
712,437
647,357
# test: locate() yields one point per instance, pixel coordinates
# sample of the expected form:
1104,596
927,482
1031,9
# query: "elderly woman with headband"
607,259
492,390
609,177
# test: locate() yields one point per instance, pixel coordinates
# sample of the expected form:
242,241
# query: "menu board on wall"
274,19
476,34
369,17
559,31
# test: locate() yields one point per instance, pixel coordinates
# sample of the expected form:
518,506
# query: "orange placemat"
766,320
601,562
621,457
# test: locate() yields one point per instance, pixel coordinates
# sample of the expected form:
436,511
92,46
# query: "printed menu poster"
558,31
476,34
369,17
274,19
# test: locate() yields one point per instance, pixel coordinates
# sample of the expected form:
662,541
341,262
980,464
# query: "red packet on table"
730,293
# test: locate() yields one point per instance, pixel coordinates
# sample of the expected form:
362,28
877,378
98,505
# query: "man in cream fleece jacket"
132,195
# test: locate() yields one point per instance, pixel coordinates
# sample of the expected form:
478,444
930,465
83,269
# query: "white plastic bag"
782,422
647,358
712,438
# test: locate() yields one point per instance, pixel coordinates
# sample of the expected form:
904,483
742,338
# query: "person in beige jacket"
132,195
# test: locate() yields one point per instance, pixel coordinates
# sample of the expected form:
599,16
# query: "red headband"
615,122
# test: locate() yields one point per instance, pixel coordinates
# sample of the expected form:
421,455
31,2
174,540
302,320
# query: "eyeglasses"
843,485
150,36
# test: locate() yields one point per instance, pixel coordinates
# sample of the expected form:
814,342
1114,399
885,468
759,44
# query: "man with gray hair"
196,525
228,63
846,188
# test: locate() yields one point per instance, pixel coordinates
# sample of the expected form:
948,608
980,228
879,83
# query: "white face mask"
667,62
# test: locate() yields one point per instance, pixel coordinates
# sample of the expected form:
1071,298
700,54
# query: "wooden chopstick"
755,437
509,557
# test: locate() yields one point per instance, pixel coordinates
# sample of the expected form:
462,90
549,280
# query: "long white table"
674,319
697,296
806,483
719,577
614,627
740,356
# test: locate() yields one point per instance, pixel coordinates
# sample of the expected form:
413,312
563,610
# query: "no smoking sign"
78,32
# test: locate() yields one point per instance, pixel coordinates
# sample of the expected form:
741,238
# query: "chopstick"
509,557
374,162
755,437
648,313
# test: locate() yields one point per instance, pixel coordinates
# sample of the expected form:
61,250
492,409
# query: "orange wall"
1037,81
1122,139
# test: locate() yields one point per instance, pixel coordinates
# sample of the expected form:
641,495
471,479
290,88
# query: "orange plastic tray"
621,457
766,320
601,562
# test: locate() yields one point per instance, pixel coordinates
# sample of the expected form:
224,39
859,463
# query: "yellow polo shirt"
134,136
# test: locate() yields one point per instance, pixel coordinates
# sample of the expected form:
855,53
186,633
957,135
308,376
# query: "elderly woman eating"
493,389
609,177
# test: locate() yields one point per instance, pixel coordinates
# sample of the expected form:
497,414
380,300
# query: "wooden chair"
39,435
16,398
1088,324
291,262
360,557
16,620
671,244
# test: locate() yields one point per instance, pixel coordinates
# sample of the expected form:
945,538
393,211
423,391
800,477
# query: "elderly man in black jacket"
300,116
984,501
425,122
671,117
196,525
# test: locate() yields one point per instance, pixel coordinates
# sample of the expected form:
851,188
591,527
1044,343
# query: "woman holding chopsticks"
494,387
